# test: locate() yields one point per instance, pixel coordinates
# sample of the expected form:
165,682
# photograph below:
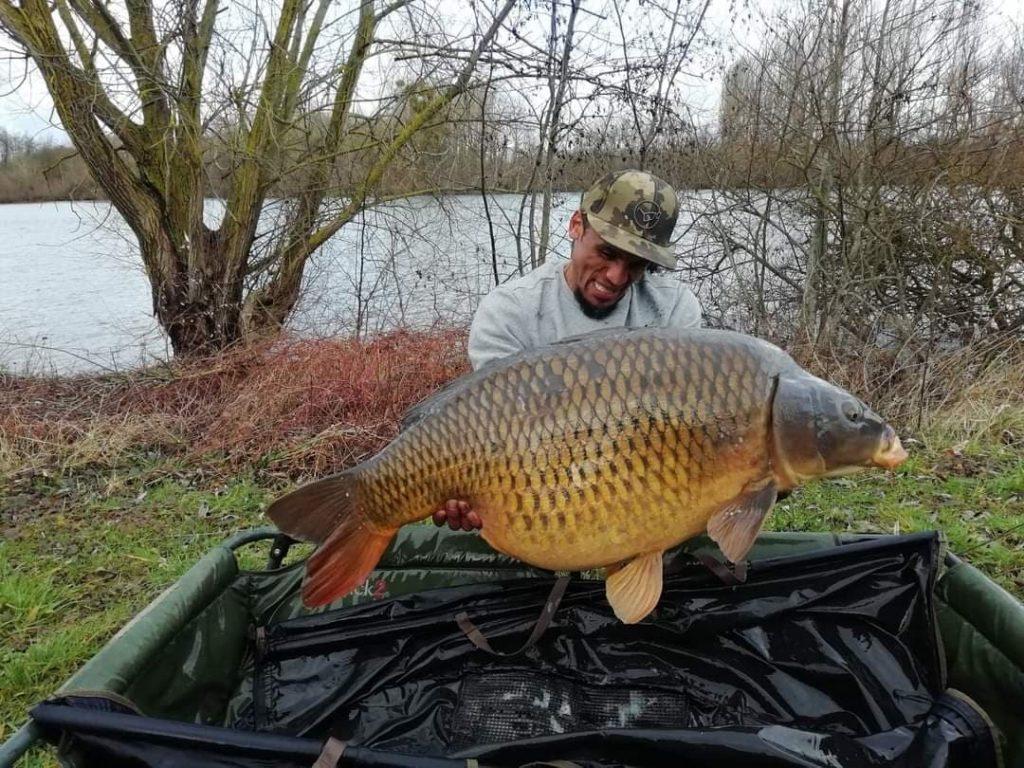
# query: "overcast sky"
25,106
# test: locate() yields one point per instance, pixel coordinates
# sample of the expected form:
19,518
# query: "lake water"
74,298
73,295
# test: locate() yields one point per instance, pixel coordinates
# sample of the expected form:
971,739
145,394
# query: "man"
620,240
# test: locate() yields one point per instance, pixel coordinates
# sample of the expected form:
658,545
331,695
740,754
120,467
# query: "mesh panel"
517,705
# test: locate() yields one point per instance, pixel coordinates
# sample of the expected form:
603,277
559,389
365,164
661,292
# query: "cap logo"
646,215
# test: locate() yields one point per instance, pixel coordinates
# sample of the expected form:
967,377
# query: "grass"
72,575
976,499
111,489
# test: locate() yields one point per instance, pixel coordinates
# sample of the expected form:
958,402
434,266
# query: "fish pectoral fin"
635,588
735,526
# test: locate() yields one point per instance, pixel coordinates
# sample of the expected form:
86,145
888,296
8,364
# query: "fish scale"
541,416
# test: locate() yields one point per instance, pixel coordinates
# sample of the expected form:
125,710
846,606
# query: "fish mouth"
892,453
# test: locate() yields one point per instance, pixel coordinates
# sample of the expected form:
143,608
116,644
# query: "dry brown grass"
316,405
968,394
63,424
294,406
989,408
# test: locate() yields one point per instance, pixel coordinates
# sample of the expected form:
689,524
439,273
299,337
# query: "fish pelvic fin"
313,511
634,589
735,526
344,561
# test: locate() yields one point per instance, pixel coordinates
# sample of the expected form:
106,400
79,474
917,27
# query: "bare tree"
134,87
7,146
868,162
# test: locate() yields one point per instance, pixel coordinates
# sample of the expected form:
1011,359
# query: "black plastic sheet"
837,649
827,659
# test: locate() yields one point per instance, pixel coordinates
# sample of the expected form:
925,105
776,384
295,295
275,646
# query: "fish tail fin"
326,512
344,561
313,511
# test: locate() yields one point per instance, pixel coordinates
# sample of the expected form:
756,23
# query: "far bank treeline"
34,170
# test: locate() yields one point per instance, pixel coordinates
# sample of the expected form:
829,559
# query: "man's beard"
594,313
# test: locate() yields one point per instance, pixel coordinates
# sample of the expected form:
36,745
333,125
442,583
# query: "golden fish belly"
584,456
618,515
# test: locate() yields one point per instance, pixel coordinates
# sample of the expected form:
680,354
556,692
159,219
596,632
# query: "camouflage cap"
635,211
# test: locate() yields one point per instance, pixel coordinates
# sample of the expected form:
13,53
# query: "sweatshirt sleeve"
686,312
493,332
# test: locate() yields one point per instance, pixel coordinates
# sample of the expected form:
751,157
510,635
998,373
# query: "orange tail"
327,512
344,561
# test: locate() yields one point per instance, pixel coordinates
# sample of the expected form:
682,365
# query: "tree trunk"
550,139
199,309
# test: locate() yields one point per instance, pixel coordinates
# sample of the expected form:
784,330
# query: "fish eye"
852,412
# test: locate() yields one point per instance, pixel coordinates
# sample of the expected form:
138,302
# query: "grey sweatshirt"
539,309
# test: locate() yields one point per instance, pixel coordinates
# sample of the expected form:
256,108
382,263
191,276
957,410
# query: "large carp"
601,451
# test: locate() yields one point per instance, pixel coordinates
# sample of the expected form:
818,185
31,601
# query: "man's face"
598,274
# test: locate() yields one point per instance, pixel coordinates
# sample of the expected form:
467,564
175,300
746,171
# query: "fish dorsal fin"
735,526
436,401
416,413
453,388
600,333
634,589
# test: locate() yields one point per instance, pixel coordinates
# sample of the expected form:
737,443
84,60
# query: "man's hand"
458,515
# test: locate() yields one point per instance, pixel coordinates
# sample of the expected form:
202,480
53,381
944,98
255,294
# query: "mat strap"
728,576
331,753
477,638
